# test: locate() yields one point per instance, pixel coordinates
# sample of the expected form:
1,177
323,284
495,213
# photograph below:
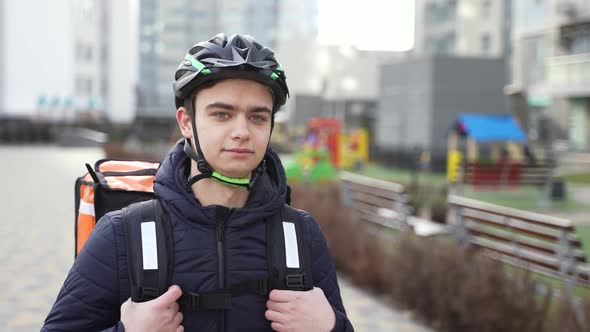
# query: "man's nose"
240,129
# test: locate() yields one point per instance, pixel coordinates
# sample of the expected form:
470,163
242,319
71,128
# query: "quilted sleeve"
89,299
324,274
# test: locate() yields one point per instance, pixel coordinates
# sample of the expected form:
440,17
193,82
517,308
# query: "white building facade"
551,69
66,58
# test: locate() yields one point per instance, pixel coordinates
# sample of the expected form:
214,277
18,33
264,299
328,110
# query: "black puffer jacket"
98,282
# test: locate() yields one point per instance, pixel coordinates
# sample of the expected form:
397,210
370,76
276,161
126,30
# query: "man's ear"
184,122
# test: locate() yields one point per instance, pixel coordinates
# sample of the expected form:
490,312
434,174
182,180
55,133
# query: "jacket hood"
266,198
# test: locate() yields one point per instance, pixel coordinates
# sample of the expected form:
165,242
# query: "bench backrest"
378,202
539,242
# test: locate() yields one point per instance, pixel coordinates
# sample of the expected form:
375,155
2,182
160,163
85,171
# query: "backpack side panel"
85,216
107,200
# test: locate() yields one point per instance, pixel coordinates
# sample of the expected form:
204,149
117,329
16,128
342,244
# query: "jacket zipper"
222,217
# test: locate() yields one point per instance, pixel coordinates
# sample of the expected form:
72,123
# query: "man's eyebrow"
229,107
258,109
220,105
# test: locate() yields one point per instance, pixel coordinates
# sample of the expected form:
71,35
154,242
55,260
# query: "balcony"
569,75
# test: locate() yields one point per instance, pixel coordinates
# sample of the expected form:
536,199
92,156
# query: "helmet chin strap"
206,170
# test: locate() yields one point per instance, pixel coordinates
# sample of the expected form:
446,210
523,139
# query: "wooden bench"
541,243
380,203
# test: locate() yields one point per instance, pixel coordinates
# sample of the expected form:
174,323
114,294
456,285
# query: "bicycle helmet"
223,57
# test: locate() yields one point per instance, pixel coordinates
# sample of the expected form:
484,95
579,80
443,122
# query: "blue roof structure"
490,128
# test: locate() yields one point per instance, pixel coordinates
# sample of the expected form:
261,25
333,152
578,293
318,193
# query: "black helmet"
237,56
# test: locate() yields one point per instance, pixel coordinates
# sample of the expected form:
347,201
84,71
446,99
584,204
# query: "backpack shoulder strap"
289,259
148,234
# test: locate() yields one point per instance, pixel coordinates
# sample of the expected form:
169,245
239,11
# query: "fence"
506,174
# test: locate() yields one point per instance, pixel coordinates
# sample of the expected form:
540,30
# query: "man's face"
233,120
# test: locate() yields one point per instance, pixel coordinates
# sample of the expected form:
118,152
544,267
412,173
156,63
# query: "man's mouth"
239,150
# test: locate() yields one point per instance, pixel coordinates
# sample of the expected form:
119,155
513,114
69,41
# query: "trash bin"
558,190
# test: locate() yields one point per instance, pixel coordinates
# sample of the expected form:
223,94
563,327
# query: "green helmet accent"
274,76
197,64
234,182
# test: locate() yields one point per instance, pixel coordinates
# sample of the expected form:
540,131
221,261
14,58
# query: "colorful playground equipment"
326,148
506,162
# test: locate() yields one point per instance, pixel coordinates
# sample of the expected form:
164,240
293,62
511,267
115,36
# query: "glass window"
486,8
534,59
580,42
485,43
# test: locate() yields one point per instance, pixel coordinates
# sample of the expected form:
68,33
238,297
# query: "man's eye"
221,115
258,118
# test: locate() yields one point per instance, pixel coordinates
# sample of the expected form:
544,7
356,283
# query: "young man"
220,186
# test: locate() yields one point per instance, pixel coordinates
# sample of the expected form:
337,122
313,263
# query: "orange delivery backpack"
111,185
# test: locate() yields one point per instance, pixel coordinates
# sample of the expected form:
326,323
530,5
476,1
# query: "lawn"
583,232
578,178
525,198
402,176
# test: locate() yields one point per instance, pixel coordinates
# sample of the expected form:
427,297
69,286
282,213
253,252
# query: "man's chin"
234,174
236,170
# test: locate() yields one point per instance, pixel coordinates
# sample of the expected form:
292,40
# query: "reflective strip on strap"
291,248
86,208
149,245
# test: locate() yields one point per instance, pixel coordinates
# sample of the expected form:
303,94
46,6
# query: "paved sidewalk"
368,314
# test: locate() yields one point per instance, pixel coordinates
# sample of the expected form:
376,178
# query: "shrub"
453,289
418,197
457,290
439,207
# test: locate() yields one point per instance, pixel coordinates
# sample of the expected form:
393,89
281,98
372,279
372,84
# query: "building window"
104,88
534,59
486,8
79,88
440,12
104,54
89,53
485,43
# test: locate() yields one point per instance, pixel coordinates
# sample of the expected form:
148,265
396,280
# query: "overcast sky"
367,24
